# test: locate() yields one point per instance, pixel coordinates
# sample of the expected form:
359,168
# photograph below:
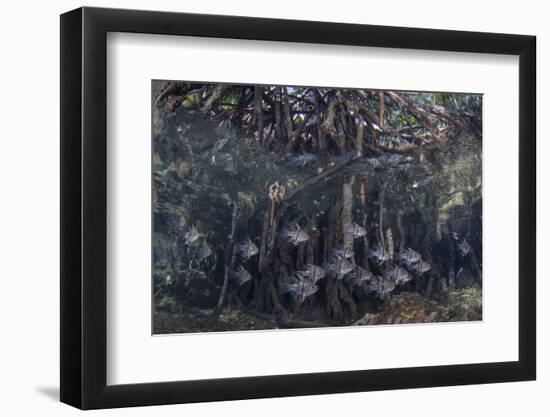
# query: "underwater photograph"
285,207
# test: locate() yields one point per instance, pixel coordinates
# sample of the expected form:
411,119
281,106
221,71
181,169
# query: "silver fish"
241,276
380,255
339,267
300,291
422,267
303,159
409,256
204,251
399,275
382,287
248,249
463,247
354,230
307,291
363,274
192,236
360,276
296,236
289,285
343,252
394,159
312,273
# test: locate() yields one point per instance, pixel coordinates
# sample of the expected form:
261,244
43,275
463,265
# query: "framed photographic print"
257,208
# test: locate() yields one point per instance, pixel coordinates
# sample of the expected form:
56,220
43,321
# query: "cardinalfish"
354,230
343,252
339,267
204,251
296,236
379,254
247,249
303,159
360,276
463,247
299,291
382,287
192,236
241,276
399,275
421,267
410,256
312,273
413,261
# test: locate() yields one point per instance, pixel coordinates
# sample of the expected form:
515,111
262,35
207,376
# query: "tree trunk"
381,108
233,248
271,267
321,139
340,292
359,137
259,111
381,198
347,206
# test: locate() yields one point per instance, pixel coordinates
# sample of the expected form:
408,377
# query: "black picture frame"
84,207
